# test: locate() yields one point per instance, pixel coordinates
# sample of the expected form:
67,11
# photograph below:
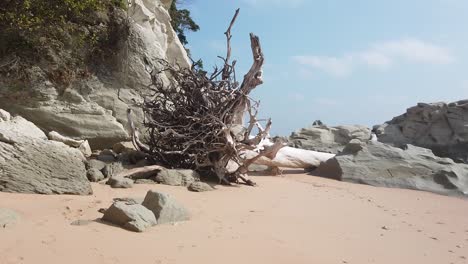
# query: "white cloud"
416,51
336,66
282,3
381,55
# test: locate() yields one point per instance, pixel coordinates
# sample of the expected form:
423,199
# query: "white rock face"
152,38
94,108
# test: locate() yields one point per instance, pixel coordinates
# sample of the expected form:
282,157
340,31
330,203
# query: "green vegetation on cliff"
67,35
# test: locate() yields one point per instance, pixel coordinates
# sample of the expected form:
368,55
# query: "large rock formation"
322,138
30,163
94,106
441,127
379,164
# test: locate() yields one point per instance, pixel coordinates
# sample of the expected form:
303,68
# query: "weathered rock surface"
94,107
107,155
176,177
323,138
94,175
165,208
145,181
379,164
30,163
441,127
17,128
129,200
112,169
4,115
200,187
120,182
131,216
96,164
81,145
8,217
124,146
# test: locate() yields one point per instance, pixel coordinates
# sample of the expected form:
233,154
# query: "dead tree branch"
191,121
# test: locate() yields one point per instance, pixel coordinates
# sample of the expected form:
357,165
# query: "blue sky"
341,61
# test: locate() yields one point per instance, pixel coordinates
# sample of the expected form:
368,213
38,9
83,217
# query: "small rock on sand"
133,217
200,187
165,207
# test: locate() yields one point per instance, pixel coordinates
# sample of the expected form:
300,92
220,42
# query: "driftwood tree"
196,121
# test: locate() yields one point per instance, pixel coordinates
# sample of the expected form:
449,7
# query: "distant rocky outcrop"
323,138
30,163
380,164
93,106
441,127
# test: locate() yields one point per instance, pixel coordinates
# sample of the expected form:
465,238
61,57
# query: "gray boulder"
165,208
200,187
144,181
107,155
112,169
379,164
323,138
124,146
441,127
131,216
94,175
8,217
95,164
120,182
129,200
176,177
30,163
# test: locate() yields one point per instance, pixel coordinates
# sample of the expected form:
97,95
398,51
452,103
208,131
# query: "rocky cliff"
93,106
441,127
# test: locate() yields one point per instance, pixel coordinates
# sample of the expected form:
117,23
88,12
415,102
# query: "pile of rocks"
156,208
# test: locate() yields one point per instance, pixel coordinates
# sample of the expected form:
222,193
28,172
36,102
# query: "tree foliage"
182,21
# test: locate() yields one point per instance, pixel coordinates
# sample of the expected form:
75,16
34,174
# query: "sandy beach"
295,218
